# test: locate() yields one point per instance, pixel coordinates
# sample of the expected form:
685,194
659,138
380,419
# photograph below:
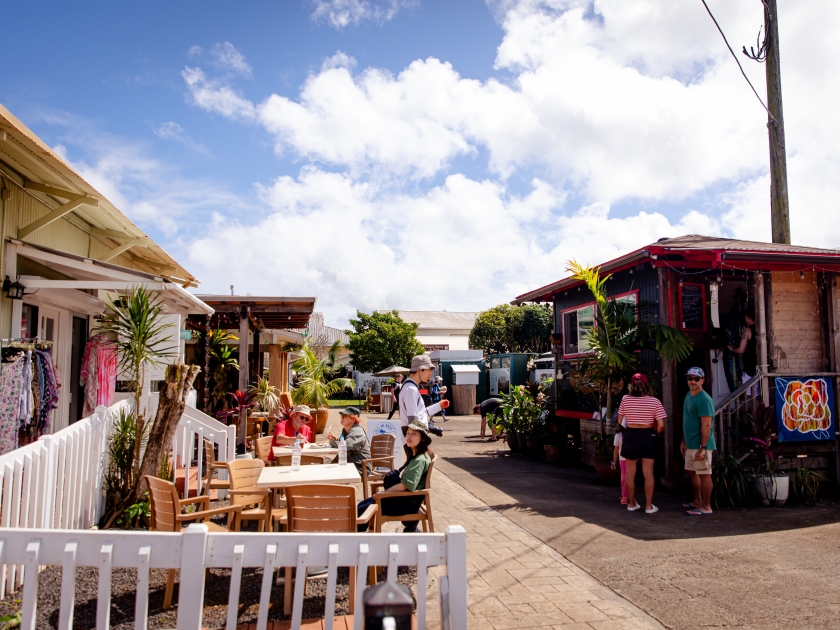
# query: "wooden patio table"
307,450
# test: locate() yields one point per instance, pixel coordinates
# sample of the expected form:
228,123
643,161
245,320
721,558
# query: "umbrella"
393,371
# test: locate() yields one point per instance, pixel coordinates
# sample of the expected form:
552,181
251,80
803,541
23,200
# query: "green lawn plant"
621,330
804,484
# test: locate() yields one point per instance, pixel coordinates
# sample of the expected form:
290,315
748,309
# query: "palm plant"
134,322
620,331
265,395
313,387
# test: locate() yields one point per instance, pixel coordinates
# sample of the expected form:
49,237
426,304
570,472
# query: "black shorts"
640,444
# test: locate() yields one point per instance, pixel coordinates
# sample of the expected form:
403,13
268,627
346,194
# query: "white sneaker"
653,509
634,508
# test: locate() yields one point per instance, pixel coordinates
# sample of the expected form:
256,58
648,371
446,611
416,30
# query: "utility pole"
779,205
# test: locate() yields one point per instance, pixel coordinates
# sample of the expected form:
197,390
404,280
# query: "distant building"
321,337
441,330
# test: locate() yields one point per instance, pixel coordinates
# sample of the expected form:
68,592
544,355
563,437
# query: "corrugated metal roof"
30,162
325,335
444,320
696,241
687,243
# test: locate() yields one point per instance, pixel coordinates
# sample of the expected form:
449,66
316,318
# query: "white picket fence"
58,481
196,550
188,446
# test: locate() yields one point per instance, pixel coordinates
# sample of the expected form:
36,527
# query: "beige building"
441,330
70,249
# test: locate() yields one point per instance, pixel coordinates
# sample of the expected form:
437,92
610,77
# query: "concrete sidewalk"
516,580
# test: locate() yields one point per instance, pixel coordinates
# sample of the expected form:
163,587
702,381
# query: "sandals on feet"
638,506
623,500
653,509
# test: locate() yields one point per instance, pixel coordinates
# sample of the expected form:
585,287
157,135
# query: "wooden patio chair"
263,447
305,460
209,482
323,508
255,502
423,514
381,460
168,516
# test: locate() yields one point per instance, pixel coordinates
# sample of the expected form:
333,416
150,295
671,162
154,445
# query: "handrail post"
456,571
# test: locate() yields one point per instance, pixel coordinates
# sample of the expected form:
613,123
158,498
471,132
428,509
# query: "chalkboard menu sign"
693,306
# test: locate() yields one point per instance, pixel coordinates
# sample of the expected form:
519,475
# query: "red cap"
638,378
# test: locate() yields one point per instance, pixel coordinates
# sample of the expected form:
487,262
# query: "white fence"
58,481
188,446
196,550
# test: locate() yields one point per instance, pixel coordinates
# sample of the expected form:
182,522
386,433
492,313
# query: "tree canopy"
506,328
379,340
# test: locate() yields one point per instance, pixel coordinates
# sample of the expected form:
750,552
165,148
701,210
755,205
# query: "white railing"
188,445
197,550
57,482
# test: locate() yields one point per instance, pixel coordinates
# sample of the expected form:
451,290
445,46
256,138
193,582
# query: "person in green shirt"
698,441
413,475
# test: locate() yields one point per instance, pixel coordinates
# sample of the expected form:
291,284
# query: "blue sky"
424,154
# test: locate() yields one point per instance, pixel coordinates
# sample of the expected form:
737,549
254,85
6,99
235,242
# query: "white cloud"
173,131
341,13
216,95
229,58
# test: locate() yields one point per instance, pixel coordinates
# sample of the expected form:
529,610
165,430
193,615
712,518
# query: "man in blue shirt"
698,441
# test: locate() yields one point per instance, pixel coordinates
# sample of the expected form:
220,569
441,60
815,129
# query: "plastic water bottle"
342,451
296,456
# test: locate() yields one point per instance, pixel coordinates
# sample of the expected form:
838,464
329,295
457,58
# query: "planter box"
589,428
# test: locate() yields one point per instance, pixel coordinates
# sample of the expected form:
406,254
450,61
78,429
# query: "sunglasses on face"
694,378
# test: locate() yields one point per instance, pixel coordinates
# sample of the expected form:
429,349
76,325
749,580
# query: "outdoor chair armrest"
218,466
389,495
205,514
202,499
367,515
378,459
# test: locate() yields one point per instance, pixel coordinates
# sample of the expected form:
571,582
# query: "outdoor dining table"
309,449
283,476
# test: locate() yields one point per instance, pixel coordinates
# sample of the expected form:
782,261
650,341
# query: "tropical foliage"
265,395
222,360
505,328
621,330
522,409
382,339
313,387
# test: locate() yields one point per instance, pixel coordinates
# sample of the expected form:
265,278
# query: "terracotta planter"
552,452
535,447
513,441
322,418
606,474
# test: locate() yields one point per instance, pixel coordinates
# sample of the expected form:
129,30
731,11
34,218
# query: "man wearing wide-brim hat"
412,407
294,427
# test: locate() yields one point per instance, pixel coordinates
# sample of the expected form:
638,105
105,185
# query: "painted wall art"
805,408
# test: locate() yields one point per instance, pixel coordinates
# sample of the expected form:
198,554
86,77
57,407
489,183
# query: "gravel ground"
216,591
215,598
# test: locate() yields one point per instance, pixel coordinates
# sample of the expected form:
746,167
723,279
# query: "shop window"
577,324
506,363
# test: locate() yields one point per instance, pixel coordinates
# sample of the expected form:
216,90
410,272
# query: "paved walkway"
517,581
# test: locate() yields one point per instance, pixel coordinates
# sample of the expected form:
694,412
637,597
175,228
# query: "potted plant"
772,486
497,424
313,387
265,395
603,459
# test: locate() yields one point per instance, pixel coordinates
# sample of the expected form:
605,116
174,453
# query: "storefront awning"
86,274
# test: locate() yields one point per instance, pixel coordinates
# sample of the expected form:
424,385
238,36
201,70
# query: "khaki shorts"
700,467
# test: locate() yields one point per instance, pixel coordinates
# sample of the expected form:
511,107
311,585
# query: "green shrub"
734,484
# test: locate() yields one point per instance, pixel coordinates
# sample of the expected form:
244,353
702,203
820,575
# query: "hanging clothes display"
99,373
28,392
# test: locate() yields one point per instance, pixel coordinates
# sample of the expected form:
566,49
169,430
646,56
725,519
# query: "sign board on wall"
431,347
499,381
379,427
805,408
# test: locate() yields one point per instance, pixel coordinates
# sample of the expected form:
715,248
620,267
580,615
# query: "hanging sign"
379,427
186,334
805,408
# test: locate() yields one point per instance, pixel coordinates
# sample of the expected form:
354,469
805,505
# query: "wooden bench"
196,550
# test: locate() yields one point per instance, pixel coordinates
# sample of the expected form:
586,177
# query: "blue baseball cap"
696,371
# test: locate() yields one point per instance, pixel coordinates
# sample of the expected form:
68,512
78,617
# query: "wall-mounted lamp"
14,290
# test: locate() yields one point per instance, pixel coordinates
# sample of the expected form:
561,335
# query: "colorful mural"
805,408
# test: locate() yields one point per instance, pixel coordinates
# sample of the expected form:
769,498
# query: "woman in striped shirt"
645,418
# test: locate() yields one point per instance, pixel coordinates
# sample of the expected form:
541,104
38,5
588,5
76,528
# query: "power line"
735,57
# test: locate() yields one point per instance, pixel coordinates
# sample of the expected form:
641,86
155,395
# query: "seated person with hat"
358,447
412,477
288,431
